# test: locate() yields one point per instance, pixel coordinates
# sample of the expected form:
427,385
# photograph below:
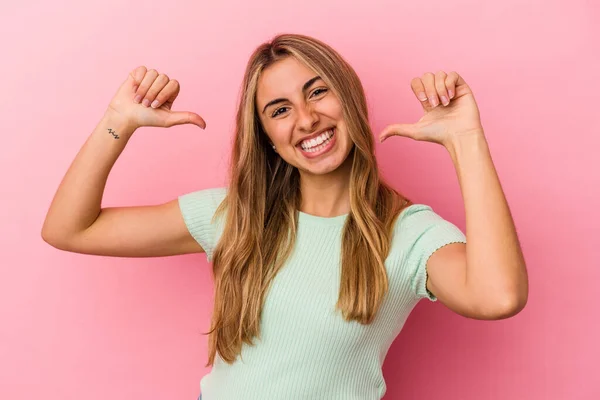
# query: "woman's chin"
323,167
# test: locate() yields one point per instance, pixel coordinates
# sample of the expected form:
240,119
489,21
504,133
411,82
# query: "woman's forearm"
77,201
494,256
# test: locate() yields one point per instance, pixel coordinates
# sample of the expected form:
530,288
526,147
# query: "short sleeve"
197,209
422,232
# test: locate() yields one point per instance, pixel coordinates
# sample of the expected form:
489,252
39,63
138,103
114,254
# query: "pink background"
85,327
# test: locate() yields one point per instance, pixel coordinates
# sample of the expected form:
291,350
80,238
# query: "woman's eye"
319,91
279,111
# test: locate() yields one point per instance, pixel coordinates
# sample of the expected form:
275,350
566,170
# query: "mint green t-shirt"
307,350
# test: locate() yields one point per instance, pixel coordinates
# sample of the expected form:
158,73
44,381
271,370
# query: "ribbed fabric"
307,350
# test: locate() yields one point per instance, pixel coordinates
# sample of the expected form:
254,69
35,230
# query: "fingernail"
421,96
433,101
444,100
146,102
451,93
138,98
154,104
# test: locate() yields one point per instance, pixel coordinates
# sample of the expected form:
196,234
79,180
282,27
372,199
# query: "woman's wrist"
118,126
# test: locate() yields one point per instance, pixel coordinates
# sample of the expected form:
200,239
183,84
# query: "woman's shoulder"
209,196
417,221
200,205
414,213
419,225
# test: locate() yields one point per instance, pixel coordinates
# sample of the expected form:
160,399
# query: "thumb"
184,117
407,130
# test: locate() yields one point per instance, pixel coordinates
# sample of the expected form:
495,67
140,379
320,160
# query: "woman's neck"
327,195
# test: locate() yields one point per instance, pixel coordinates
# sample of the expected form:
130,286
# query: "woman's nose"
308,119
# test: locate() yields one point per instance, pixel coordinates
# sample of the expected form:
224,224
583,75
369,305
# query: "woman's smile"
318,146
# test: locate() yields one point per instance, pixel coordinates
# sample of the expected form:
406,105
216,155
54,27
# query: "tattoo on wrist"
113,133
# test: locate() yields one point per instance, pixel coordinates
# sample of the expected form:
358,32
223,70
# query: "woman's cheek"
284,132
334,107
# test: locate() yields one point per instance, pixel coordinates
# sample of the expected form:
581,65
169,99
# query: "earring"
273,147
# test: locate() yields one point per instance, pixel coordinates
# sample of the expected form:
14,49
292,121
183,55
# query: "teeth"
308,144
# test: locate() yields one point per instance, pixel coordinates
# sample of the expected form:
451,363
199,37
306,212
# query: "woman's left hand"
450,110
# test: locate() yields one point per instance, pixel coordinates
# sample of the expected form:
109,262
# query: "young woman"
317,261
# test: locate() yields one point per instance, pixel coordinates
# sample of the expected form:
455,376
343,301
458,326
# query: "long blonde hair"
263,198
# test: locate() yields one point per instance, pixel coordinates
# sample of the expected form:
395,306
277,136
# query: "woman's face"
302,117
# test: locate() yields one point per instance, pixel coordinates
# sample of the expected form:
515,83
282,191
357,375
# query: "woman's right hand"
146,98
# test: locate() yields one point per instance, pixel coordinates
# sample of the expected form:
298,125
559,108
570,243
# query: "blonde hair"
263,198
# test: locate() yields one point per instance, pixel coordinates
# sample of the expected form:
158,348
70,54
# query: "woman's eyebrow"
281,100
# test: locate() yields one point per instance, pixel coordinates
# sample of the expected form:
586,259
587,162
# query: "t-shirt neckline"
338,220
